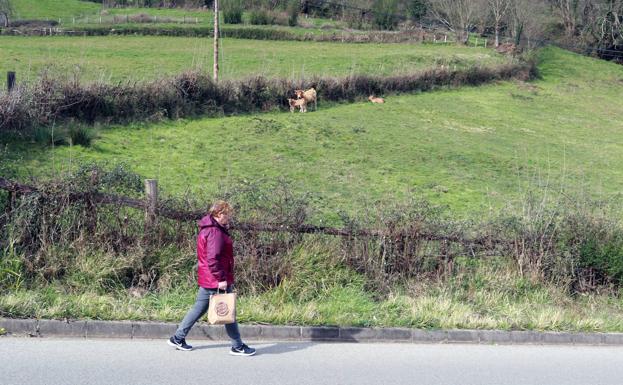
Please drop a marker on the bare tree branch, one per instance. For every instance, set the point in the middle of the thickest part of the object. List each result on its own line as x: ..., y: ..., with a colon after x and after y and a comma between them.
x: 499, y: 9
x: 457, y: 15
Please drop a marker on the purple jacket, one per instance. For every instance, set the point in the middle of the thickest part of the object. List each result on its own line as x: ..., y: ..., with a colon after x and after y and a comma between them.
x: 215, y: 254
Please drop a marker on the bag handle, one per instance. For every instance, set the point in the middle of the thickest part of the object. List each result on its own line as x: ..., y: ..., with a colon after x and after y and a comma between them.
x: 218, y: 291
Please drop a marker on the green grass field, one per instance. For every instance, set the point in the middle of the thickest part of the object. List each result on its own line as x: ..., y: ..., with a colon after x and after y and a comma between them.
x: 206, y: 17
x: 471, y: 148
x: 53, y: 9
x: 118, y: 58
x: 68, y: 12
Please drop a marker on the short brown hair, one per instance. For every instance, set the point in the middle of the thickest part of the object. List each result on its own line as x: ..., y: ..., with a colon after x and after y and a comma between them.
x: 220, y: 207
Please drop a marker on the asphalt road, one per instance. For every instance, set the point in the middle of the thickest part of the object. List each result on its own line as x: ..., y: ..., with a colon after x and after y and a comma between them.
x: 107, y: 361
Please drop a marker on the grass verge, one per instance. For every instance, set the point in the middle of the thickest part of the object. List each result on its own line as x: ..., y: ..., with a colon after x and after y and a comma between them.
x: 486, y: 295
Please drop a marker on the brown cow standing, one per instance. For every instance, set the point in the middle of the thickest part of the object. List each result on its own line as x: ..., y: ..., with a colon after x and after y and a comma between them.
x: 301, y: 103
x: 309, y: 96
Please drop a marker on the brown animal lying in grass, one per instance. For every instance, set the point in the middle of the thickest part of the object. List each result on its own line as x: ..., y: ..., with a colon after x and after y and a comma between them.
x: 301, y: 103
x: 376, y: 100
x: 309, y: 96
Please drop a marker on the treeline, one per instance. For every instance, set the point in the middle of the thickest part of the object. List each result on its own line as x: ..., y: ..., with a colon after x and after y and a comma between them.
x: 589, y: 26
x: 593, y: 23
x: 572, y: 23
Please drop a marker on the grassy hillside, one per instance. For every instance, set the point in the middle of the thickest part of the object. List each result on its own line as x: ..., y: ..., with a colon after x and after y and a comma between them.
x: 53, y: 9
x: 472, y: 149
x: 117, y: 58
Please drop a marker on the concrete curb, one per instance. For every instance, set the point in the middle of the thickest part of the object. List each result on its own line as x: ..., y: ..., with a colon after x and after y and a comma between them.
x: 251, y: 332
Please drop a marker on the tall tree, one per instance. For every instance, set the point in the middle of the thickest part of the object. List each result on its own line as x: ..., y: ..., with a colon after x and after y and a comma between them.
x: 603, y: 26
x: 528, y: 20
x: 499, y: 10
x: 385, y: 14
x: 457, y: 15
x: 416, y: 9
x: 568, y: 11
x: 5, y: 12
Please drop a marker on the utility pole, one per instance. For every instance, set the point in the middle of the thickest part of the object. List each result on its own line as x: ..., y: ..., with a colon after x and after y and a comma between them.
x: 215, y: 41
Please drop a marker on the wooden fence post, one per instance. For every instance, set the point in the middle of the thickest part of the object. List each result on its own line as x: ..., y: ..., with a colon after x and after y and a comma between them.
x: 10, y: 80
x: 8, y: 209
x: 91, y: 210
x: 151, y: 195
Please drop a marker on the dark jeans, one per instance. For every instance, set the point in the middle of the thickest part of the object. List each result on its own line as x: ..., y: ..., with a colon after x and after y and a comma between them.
x: 198, y: 310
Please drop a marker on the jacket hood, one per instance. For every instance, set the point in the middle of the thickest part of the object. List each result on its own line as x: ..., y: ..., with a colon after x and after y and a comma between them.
x: 209, y: 221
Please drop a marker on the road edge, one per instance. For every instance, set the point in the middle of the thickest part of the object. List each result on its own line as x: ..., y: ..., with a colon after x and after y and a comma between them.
x: 257, y: 332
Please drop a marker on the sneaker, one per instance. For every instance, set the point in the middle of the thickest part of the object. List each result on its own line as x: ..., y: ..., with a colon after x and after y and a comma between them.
x: 242, y: 350
x: 179, y: 345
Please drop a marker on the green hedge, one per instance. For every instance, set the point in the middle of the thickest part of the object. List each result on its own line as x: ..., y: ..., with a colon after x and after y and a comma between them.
x: 239, y: 32
x: 193, y: 94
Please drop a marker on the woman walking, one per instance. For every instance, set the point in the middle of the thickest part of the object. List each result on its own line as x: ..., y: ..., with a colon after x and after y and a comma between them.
x: 215, y: 271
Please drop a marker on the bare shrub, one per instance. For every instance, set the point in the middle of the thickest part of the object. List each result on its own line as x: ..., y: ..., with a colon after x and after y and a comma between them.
x: 263, y: 257
x: 413, y: 239
x: 575, y: 243
x: 60, y: 221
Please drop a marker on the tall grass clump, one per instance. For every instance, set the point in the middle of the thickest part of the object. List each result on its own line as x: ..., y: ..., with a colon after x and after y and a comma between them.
x: 261, y: 16
x: 573, y: 242
x: 293, y: 9
x: 81, y: 135
x: 232, y: 12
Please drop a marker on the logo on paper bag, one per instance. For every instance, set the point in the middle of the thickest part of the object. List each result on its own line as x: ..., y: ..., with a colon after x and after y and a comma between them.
x: 222, y: 309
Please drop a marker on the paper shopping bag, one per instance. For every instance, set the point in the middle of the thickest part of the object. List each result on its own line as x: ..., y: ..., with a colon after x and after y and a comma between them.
x: 222, y: 309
